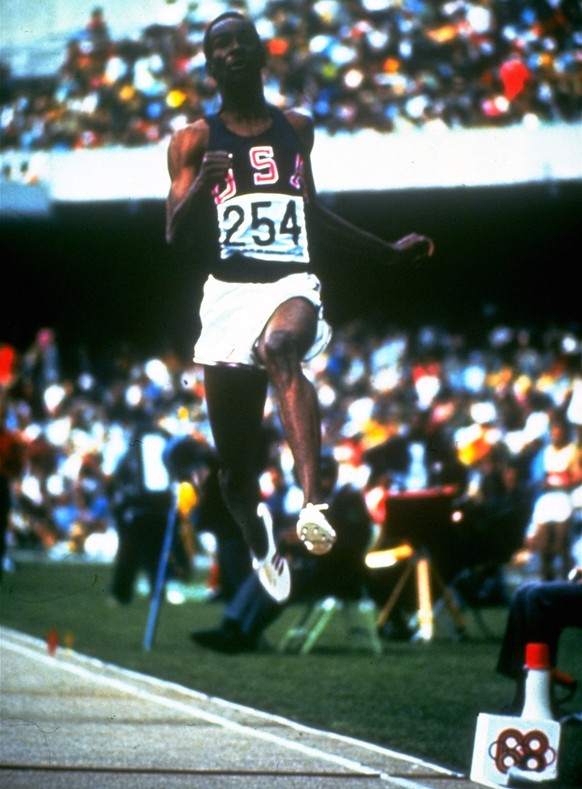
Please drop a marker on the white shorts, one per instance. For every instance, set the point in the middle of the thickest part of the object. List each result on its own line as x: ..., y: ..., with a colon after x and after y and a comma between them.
x: 234, y: 314
x: 555, y: 506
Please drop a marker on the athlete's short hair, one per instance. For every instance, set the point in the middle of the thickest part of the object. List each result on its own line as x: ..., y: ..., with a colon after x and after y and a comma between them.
x: 220, y: 18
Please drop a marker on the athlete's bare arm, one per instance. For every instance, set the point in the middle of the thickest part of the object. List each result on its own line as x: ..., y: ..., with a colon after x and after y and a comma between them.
x: 409, y: 248
x: 367, y: 246
x: 194, y: 171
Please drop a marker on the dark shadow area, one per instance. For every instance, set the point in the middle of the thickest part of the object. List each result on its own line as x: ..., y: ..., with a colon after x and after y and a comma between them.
x: 102, y: 274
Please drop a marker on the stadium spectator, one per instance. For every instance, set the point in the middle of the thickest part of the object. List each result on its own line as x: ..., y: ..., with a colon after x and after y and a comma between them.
x: 142, y: 503
x: 40, y: 370
x: 550, y: 535
x: 97, y: 28
x: 539, y: 612
x: 12, y: 458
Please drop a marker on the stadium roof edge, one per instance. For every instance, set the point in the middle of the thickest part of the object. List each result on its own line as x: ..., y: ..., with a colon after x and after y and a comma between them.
x: 364, y: 161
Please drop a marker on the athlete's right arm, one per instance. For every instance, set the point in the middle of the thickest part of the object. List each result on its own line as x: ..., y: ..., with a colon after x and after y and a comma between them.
x: 194, y: 171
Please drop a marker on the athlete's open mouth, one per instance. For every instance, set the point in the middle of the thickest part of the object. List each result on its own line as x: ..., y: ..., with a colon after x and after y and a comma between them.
x: 236, y: 62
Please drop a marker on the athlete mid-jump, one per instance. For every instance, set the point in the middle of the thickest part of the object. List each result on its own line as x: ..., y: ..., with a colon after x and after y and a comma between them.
x: 246, y: 171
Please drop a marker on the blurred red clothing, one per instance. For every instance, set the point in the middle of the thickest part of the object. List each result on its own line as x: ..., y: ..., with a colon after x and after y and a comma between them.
x: 514, y: 75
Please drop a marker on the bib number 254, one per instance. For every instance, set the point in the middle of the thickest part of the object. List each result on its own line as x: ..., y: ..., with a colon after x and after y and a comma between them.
x: 275, y: 226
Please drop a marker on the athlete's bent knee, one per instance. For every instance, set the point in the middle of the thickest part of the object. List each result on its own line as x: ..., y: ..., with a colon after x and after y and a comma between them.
x: 281, y: 354
x: 280, y: 343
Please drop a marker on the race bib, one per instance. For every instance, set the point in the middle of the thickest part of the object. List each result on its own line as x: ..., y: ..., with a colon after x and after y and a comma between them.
x: 266, y: 227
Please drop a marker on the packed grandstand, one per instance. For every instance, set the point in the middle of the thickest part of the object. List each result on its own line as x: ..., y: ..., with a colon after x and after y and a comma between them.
x: 364, y: 64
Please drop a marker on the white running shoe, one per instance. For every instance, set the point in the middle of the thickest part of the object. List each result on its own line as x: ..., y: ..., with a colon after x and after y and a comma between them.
x: 272, y: 571
x: 314, y: 531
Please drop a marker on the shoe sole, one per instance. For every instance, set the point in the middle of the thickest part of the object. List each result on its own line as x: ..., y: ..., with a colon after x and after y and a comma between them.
x: 276, y: 580
x: 277, y: 583
x: 316, y: 540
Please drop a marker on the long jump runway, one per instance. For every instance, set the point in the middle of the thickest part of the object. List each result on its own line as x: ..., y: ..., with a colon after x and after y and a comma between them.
x: 72, y: 721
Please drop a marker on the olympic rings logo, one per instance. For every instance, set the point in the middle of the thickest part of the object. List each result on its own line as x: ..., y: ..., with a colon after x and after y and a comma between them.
x: 530, y: 751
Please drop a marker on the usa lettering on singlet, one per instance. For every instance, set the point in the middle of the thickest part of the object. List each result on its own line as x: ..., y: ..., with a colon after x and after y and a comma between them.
x: 260, y: 207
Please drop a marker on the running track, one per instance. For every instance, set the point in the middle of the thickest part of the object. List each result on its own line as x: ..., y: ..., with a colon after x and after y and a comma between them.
x: 72, y: 721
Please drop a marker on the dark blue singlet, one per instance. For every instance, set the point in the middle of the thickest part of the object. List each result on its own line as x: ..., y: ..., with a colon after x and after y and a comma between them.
x: 260, y: 209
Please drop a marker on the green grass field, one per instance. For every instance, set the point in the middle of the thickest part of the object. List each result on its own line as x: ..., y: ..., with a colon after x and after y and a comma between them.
x: 419, y: 698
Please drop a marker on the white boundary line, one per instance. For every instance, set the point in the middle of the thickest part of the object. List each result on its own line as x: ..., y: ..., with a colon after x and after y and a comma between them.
x: 31, y: 647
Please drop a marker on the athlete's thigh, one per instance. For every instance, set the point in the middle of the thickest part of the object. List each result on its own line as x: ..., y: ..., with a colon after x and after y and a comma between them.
x: 297, y: 318
x: 235, y: 398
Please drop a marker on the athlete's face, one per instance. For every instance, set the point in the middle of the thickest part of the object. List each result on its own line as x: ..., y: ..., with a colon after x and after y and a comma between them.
x: 235, y: 50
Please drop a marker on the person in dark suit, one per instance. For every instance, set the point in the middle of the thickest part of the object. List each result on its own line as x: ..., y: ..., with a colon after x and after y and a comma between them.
x: 142, y: 502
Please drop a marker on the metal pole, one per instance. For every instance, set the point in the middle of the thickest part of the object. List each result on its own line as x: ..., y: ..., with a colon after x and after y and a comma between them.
x: 156, y: 600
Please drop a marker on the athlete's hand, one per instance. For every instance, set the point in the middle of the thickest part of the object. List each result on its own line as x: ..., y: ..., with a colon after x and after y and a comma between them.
x: 214, y: 168
x: 414, y: 247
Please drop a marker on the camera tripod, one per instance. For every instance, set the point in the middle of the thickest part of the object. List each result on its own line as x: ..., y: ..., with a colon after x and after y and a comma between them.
x: 420, y: 563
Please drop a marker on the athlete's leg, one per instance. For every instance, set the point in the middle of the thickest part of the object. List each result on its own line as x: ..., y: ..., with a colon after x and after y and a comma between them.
x: 288, y: 335
x: 235, y: 399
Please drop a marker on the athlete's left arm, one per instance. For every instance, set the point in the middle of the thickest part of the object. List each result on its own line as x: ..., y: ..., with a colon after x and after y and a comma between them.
x: 411, y: 248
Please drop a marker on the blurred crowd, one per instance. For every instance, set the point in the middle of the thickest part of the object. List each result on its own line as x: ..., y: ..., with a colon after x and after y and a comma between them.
x: 402, y: 412
x: 386, y: 66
